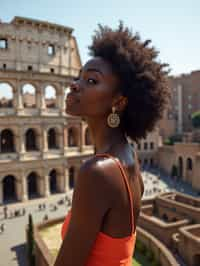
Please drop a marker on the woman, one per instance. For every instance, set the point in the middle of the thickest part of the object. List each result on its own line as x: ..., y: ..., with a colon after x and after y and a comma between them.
x: 121, y: 92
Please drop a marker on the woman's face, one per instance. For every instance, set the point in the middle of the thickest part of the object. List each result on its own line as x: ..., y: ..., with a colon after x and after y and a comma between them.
x: 92, y: 94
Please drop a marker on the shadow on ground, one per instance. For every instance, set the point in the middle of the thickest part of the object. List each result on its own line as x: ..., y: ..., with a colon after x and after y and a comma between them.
x: 20, y: 252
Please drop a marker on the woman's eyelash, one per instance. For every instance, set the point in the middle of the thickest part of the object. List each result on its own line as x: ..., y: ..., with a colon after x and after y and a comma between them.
x: 93, y: 80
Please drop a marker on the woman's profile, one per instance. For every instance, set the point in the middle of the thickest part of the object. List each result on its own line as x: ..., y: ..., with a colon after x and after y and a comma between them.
x: 121, y: 92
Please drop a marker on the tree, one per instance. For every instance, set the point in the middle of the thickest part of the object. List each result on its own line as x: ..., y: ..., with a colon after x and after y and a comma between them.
x: 196, y: 119
x: 30, y: 240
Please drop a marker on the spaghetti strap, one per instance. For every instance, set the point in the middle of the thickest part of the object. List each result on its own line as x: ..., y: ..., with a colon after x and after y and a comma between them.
x: 126, y: 183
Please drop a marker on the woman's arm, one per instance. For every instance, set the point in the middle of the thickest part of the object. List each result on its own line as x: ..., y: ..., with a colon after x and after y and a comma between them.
x: 91, y: 200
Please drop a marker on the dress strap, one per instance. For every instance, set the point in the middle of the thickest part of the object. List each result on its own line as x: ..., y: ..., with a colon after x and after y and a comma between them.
x: 126, y: 183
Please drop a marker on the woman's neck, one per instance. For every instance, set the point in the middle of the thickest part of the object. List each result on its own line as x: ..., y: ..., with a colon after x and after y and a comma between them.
x: 106, y: 139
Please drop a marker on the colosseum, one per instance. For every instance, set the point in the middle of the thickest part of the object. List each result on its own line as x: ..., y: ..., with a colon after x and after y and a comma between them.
x: 41, y: 148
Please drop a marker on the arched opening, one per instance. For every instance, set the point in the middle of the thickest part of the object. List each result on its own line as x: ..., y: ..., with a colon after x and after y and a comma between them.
x: 9, y: 189
x: 151, y: 162
x: 189, y: 164
x: 6, y: 95
x: 7, y: 141
x: 71, y: 177
x: 31, y: 140
x: 87, y: 137
x: 29, y: 96
x: 196, y: 260
x: 180, y: 167
x: 53, y: 181
x: 145, y: 162
x: 50, y: 97
x: 165, y: 217
x: 32, y: 185
x: 52, y: 138
x: 72, y: 138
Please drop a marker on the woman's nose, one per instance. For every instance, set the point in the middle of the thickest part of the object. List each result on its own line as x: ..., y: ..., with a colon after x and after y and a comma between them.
x: 75, y: 86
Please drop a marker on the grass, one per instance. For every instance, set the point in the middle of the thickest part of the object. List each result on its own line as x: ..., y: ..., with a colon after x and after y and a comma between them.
x: 53, y: 243
x: 140, y: 260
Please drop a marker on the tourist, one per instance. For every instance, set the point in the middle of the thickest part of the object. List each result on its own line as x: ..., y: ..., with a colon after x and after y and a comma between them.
x: 5, y: 210
x: 121, y: 92
x: 2, y: 227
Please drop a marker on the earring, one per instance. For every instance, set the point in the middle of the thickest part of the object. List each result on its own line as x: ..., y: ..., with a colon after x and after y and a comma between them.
x: 113, y: 119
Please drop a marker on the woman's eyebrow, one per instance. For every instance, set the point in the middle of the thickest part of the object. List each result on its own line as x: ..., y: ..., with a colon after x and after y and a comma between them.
x: 95, y: 70
x: 91, y: 69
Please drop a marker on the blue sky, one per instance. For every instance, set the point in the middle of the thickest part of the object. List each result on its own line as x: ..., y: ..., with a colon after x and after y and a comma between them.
x: 173, y: 26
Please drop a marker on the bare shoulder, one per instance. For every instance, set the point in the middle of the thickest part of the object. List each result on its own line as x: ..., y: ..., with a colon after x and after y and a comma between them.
x: 95, y: 178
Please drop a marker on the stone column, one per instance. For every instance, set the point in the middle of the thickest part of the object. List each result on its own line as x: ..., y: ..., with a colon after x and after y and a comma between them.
x: 46, y: 185
x: 44, y: 141
x: 65, y: 180
x: 19, y: 95
x: 21, y: 143
x: 42, y: 99
x: 65, y: 139
x: 24, y: 190
x: 38, y: 100
x: 15, y: 95
x: 62, y: 101
x: 58, y: 99
x: 61, y: 141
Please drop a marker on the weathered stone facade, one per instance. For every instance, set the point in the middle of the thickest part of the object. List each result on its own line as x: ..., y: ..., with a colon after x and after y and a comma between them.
x: 186, y: 156
x: 41, y: 148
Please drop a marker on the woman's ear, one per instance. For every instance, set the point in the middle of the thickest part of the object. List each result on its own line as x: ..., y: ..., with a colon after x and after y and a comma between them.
x: 121, y: 103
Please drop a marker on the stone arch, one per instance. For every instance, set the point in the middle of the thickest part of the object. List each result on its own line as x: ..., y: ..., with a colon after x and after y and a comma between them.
x: 87, y: 137
x: 53, y: 181
x: 33, y: 185
x: 72, y: 137
x: 6, y: 95
x: 180, y: 166
x: 52, y: 138
x: 29, y: 95
x: 7, y: 141
x: 31, y: 140
x: 50, y: 94
x: 9, y: 188
x: 71, y: 177
x: 196, y: 260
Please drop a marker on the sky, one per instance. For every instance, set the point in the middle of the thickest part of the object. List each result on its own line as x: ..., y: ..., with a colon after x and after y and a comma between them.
x: 173, y: 26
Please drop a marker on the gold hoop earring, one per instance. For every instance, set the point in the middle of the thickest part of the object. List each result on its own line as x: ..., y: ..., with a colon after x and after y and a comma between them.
x: 113, y: 119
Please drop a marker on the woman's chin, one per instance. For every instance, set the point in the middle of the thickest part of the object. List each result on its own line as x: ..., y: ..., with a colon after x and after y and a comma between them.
x: 72, y: 112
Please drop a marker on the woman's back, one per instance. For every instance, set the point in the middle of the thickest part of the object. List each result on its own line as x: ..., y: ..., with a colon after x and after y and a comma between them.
x: 115, y: 243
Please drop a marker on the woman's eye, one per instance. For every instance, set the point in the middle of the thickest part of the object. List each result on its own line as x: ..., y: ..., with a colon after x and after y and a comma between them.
x: 92, y: 81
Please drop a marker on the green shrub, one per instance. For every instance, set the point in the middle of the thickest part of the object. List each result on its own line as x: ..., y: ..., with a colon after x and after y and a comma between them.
x: 196, y: 119
x: 155, y: 263
x: 149, y: 255
x: 30, y: 240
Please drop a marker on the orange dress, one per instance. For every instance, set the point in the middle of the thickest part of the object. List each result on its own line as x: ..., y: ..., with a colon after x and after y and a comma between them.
x: 107, y: 250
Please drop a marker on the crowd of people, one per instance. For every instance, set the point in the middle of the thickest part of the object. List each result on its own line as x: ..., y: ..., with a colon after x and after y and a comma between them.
x: 9, y: 213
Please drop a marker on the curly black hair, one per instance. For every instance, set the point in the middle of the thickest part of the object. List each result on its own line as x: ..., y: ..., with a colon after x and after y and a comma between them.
x: 143, y: 80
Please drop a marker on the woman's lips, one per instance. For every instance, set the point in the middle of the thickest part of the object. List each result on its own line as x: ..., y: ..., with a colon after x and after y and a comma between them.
x: 71, y: 99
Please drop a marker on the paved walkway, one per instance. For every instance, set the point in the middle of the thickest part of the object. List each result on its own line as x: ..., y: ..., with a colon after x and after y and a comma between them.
x: 12, y: 240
